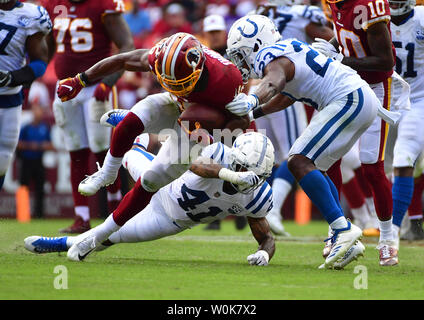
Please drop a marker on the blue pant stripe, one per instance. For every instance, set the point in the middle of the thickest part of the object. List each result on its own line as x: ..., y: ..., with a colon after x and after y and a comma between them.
x: 296, y: 129
x: 328, y: 125
x: 342, y: 127
x: 288, y: 128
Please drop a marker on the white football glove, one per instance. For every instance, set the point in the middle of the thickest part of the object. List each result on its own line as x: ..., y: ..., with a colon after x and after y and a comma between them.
x: 242, y: 104
x: 326, y: 48
x: 244, y: 179
x: 259, y: 258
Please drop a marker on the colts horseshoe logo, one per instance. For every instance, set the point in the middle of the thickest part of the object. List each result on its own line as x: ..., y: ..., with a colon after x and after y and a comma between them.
x: 254, y: 31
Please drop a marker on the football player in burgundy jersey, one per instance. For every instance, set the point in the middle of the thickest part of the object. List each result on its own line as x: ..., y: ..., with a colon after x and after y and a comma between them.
x: 363, y: 34
x: 190, y: 73
x: 83, y: 34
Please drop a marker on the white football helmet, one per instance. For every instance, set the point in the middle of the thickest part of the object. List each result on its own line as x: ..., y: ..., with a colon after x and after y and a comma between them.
x: 286, y: 2
x: 252, y: 151
x: 246, y: 37
x: 401, y: 7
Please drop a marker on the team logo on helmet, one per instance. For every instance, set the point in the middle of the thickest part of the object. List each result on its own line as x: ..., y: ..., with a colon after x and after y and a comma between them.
x: 193, y: 57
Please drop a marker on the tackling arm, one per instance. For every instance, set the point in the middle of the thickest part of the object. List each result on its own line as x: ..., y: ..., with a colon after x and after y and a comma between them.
x: 315, y: 30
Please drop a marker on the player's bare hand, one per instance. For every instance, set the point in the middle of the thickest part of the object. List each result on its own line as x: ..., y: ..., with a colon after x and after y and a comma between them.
x: 70, y: 87
x: 5, y: 78
x: 259, y: 258
x: 242, y: 104
x: 326, y: 48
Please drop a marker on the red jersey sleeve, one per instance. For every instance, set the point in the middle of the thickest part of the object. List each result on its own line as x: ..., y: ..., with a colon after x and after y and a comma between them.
x: 377, y: 11
x: 113, y: 6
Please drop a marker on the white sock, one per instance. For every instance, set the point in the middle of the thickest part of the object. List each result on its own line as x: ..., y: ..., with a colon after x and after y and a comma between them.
x: 339, y: 223
x: 104, y: 230
x: 117, y: 196
x: 111, y: 164
x: 280, y: 190
x: 361, y: 214
x: 395, y: 231
x: 416, y: 217
x: 371, y: 207
x: 386, y: 230
x: 83, y: 212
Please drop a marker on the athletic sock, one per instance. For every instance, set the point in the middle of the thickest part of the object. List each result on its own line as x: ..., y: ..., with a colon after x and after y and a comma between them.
x: 334, y: 191
x: 104, y: 230
x: 335, y: 174
x: 403, y: 188
x: 386, y: 230
x: 280, y: 190
x: 382, y: 192
x: 79, y: 169
x: 319, y: 191
x: 283, y: 172
x: 416, y: 207
x: 83, y: 212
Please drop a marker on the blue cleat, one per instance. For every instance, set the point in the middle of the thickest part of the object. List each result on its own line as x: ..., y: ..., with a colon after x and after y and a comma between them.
x: 113, y: 117
x: 36, y: 244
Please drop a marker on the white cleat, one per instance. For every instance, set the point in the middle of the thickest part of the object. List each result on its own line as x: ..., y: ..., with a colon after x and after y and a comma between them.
x: 276, y: 225
x: 113, y: 117
x: 90, y: 185
x: 354, y: 252
x: 81, y: 249
x: 342, y: 240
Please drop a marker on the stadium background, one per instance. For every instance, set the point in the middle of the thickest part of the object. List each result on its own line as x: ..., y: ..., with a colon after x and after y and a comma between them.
x: 149, y: 21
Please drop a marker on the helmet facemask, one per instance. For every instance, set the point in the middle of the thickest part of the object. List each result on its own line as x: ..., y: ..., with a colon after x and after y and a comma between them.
x: 403, y: 7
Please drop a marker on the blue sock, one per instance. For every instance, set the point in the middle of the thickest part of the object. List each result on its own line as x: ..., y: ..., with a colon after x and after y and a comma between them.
x: 334, y: 192
x: 319, y: 191
x: 402, y: 191
x: 1, y: 181
x: 283, y: 172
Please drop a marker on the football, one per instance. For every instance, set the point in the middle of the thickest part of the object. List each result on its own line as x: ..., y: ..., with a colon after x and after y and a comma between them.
x: 209, y: 118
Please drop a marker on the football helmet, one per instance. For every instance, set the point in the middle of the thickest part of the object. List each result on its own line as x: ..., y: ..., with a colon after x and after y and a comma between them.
x: 401, y: 7
x: 286, y: 2
x: 179, y: 64
x: 252, y: 151
x: 247, y: 36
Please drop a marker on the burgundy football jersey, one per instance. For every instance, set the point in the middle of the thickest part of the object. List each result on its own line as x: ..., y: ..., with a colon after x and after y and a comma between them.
x: 351, y: 20
x: 80, y: 35
x: 224, y: 80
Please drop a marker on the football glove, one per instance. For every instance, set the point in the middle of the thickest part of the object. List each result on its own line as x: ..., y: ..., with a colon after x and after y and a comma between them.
x: 242, y: 104
x: 259, y: 258
x: 70, y: 87
x: 5, y: 78
x: 326, y: 48
x: 244, y: 179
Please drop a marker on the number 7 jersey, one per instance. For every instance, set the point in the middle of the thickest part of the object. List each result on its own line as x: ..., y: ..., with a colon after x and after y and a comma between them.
x: 80, y: 35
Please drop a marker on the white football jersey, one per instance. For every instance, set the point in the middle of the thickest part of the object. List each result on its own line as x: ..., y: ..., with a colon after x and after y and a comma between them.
x: 292, y: 20
x: 318, y: 80
x: 16, y: 25
x: 192, y: 199
x: 408, y: 39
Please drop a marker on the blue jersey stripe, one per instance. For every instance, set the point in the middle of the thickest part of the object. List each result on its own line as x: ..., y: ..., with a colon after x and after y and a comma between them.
x: 296, y: 129
x: 217, y: 150
x: 146, y: 154
x: 288, y: 128
x: 328, y: 125
x: 344, y: 125
x: 258, y: 196
x: 268, y: 195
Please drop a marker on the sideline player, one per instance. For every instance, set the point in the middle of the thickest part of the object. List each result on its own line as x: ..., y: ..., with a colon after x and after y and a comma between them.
x: 190, y: 73
x: 23, y: 29
x: 83, y: 34
x: 408, y: 38
x: 305, y: 23
x: 292, y: 70
x: 198, y: 196
x: 363, y: 33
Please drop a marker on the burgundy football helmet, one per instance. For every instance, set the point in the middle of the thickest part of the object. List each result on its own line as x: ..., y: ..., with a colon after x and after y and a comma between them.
x: 179, y: 63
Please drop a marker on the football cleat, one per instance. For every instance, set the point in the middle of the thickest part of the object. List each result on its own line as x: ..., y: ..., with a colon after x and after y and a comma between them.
x: 79, y: 226
x: 327, y: 246
x: 415, y: 231
x: 276, y: 225
x: 388, y: 253
x: 91, y: 184
x: 36, y: 244
x: 354, y: 252
x: 342, y: 240
x: 81, y: 249
x: 113, y: 117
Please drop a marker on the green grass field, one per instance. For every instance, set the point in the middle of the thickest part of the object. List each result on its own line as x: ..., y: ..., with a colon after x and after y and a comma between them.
x: 199, y: 265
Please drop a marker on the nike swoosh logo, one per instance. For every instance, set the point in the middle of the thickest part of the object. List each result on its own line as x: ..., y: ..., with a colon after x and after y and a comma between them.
x: 68, y: 87
x: 80, y: 257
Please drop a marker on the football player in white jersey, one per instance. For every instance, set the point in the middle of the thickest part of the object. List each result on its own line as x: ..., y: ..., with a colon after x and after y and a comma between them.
x: 201, y: 195
x: 305, y: 23
x: 23, y: 27
x: 407, y: 25
x: 347, y: 107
